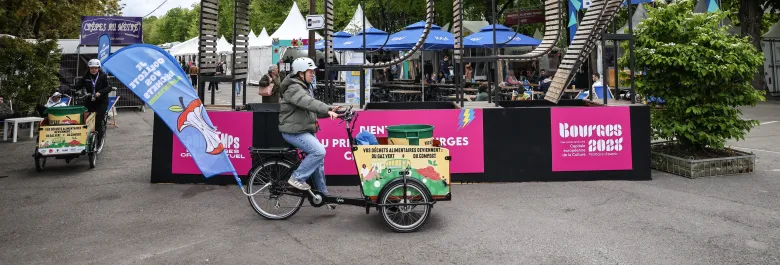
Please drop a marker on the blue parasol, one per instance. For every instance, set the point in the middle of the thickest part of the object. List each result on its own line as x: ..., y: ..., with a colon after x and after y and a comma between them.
x: 438, y: 39
x: 338, y: 38
x: 356, y: 42
x: 485, y: 37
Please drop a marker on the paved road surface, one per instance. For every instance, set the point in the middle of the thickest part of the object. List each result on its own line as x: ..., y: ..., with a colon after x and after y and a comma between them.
x: 113, y: 215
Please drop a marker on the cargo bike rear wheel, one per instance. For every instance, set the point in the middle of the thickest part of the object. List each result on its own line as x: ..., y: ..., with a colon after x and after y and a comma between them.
x: 274, y: 201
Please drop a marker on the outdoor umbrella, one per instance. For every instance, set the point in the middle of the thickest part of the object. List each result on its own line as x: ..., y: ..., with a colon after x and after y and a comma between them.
x: 437, y: 39
x: 485, y: 37
x: 356, y: 42
x: 338, y: 39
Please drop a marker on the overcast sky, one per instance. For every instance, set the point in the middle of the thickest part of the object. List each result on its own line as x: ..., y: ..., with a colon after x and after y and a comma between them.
x: 139, y: 8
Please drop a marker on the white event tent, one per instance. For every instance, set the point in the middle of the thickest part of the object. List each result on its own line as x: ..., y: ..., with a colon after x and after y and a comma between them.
x: 189, y: 47
x: 293, y: 28
x: 265, y: 40
x: 355, y: 25
x: 260, y: 54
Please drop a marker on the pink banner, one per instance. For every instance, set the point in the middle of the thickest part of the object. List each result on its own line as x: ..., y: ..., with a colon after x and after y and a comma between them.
x: 458, y: 130
x: 591, y: 138
x: 235, y: 132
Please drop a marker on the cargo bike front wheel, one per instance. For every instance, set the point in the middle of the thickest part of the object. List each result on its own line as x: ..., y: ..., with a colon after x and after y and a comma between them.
x: 405, y: 213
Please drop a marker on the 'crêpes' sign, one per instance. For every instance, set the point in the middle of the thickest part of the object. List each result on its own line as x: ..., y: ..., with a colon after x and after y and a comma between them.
x: 591, y: 138
x: 121, y: 30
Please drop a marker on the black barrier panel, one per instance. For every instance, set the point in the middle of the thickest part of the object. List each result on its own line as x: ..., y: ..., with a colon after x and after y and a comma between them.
x: 517, y: 149
x: 263, y: 107
x: 411, y: 105
x: 541, y: 103
x: 516, y: 152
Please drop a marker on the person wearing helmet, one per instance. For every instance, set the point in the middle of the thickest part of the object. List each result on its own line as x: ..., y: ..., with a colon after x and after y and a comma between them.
x: 298, y: 123
x: 95, y: 82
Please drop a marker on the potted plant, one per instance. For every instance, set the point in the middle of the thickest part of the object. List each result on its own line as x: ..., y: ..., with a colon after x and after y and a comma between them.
x: 697, y: 77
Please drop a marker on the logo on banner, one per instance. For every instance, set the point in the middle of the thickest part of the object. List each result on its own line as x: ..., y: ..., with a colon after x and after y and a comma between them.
x: 591, y: 139
x: 466, y: 116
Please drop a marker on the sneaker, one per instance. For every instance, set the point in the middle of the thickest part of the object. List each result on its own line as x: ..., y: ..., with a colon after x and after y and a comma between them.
x: 330, y: 206
x: 298, y: 185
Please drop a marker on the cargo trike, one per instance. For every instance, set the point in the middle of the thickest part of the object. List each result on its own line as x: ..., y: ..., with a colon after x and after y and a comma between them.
x: 67, y: 133
x: 402, y: 181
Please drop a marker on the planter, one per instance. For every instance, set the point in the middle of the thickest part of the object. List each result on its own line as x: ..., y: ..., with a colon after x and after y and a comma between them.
x: 695, y: 168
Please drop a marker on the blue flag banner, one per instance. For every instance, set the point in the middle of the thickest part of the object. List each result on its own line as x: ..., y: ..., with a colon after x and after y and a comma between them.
x: 712, y: 6
x: 574, y: 7
x: 104, y: 47
x: 160, y: 82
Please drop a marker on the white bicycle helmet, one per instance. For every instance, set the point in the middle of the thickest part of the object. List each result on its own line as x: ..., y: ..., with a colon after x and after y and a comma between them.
x: 302, y: 64
x: 94, y: 63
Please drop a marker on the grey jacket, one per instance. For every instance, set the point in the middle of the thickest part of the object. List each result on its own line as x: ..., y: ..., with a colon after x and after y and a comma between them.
x: 299, y: 110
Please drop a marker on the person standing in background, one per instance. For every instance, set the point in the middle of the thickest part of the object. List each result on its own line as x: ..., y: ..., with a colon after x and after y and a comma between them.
x: 445, y: 67
x: 469, y: 72
x: 271, y: 78
x: 194, y: 74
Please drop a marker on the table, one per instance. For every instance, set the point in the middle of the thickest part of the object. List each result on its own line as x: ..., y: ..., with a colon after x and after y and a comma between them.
x: 467, y: 97
x: 404, y: 95
x: 15, y: 122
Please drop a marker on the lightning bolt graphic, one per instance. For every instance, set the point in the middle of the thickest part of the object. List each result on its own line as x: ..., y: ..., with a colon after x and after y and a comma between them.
x: 466, y: 116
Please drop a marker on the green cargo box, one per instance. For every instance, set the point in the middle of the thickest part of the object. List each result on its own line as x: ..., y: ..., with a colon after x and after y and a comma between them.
x: 66, y: 115
x: 410, y: 134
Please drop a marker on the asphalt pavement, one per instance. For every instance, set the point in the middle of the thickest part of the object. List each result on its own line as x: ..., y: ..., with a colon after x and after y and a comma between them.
x: 70, y: 214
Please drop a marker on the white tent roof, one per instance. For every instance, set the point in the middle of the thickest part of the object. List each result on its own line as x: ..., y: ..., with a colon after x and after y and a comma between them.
x: 734, y: 30
x: 356, y: 24
x: 254, y: 41
x: 538, y: 35
x: 774, y: 32
x: 470, y: 27
x: 639, y: 15
x: 189, y: 47
x: 264, y: 39
x: 293, y: 27
x: 223, y: 46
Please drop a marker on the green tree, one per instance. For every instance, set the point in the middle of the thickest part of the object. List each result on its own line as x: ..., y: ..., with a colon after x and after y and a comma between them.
x: 701, y: 72
x: 51, y: 19
x: 29, y: 70
x: 148, y: 28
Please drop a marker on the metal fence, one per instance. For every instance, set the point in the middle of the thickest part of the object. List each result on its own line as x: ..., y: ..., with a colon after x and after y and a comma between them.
x: 73, y: 67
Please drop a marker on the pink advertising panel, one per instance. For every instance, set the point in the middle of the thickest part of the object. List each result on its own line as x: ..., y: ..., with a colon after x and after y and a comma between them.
x: 459, y: 130
x: 235, y: 132
x: 591, y: 138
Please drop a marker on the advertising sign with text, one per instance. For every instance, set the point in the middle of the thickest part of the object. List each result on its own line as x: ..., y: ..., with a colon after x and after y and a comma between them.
x: 591, y: 139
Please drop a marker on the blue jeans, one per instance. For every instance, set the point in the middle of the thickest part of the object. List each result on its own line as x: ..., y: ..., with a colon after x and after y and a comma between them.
x: 238, y: 87
x: 314, y: 163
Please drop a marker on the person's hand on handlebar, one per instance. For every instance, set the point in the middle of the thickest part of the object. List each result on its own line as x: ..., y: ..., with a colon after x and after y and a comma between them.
x: 333, y: 115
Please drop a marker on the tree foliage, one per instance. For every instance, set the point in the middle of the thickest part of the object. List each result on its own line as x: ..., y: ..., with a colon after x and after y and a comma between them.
x: 387, y: 15
x: 701, y: 72
x: 29, y: 70
x: 36, y: 19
